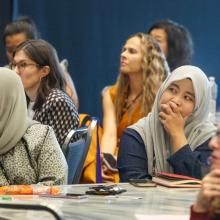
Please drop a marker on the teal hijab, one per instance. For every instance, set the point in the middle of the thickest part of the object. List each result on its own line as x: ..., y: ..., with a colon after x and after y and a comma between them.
x: 197, y: 127
x: 13, y: 110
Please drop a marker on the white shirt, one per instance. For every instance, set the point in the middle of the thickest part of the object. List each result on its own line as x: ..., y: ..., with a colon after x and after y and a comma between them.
x: 30, y: 110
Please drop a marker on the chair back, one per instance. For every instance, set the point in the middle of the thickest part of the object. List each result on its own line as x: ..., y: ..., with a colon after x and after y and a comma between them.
x: 42, y: 206
x: 76, y: 152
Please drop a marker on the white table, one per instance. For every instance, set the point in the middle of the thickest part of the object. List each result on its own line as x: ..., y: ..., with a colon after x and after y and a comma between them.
x: 136, y: 201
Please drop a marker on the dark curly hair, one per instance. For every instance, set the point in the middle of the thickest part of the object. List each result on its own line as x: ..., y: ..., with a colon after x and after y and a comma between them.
x: 179, y: 41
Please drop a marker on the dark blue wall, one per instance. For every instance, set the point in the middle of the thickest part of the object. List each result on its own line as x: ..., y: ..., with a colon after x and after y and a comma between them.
x: 90, y: 33
x: 6, y: 8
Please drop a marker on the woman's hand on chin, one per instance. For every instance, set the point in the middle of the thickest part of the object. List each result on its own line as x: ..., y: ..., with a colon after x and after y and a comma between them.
x: 171, y: 118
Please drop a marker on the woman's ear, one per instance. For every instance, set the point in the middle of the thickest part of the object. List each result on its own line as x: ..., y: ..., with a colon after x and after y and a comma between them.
x: 45, y: 70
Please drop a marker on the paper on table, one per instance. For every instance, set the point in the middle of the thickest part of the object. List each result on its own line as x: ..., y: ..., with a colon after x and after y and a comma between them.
x: 162, y: 217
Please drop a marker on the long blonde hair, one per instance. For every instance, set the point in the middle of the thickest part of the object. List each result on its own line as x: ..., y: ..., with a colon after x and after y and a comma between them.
x: 154, y: 71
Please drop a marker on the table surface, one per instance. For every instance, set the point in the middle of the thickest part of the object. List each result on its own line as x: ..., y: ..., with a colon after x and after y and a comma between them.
x: 136, y: 201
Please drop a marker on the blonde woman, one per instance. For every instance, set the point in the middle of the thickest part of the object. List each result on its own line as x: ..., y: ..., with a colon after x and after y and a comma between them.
x: 142, y: 70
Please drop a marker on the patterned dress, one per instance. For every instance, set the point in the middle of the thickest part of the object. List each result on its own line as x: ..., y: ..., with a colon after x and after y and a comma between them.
x: 36, y: 158
x: 60, y: 113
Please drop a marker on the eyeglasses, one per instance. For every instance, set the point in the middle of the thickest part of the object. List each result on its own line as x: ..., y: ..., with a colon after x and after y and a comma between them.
x: 22, y: 66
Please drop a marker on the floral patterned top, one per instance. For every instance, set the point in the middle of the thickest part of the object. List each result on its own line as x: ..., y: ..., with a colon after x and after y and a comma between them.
x: 36, y: 158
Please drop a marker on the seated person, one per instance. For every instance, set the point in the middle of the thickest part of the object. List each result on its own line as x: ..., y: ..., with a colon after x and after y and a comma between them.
x: 36, y: 62
x: 24, y: 29
x: 142, y: 70
x: 207, y: 205
x: 29, y: 151
x: 175, y: 41
x: 174, y: 136
x: 70, y: 86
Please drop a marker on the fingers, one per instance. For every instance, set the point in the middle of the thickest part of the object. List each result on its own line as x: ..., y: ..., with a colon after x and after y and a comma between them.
x: 174, y: 106
x: 165, y: 112
x: 166, y: 109
x: 107, y: 175
x: 104, y: 168
x: 101, y: 156
x: 211, y: 187
x: 215, y: 163
x: 162, y: 116
x: 211, y: 184
x: 170, y: 110
x: 107, y: 178
x: 214, y: 173
x: 209, y: 190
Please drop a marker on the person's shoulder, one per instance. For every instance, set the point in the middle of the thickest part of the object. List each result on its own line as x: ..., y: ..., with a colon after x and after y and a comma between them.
x: 133, y: 133
x: 36, y: 130
x: 37, y: 136
x: 112, y: 89
x: 57, y: 94
x: 36, y: 133
x: 58, y: 97
x: 109, y: 91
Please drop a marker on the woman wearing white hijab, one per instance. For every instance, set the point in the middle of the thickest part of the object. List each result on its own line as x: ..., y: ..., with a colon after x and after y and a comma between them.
x: 29, y: 151
x: 174, y: 136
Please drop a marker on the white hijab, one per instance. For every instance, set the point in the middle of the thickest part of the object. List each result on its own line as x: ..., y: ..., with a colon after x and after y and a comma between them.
x: 197, y: 128
x: 13, y: 110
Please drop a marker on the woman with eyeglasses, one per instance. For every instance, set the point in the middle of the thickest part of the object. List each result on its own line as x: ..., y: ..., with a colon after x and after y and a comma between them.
x: 29, y: 151
x: 23, y: 29
x: 36, y: 62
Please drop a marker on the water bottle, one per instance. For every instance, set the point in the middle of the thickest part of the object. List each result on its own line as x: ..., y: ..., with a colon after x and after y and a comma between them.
x: 212, y: 102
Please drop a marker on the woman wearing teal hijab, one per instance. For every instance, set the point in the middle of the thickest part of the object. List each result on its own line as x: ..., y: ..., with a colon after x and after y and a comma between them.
x: 29, y: 151
x: 174, y: 136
